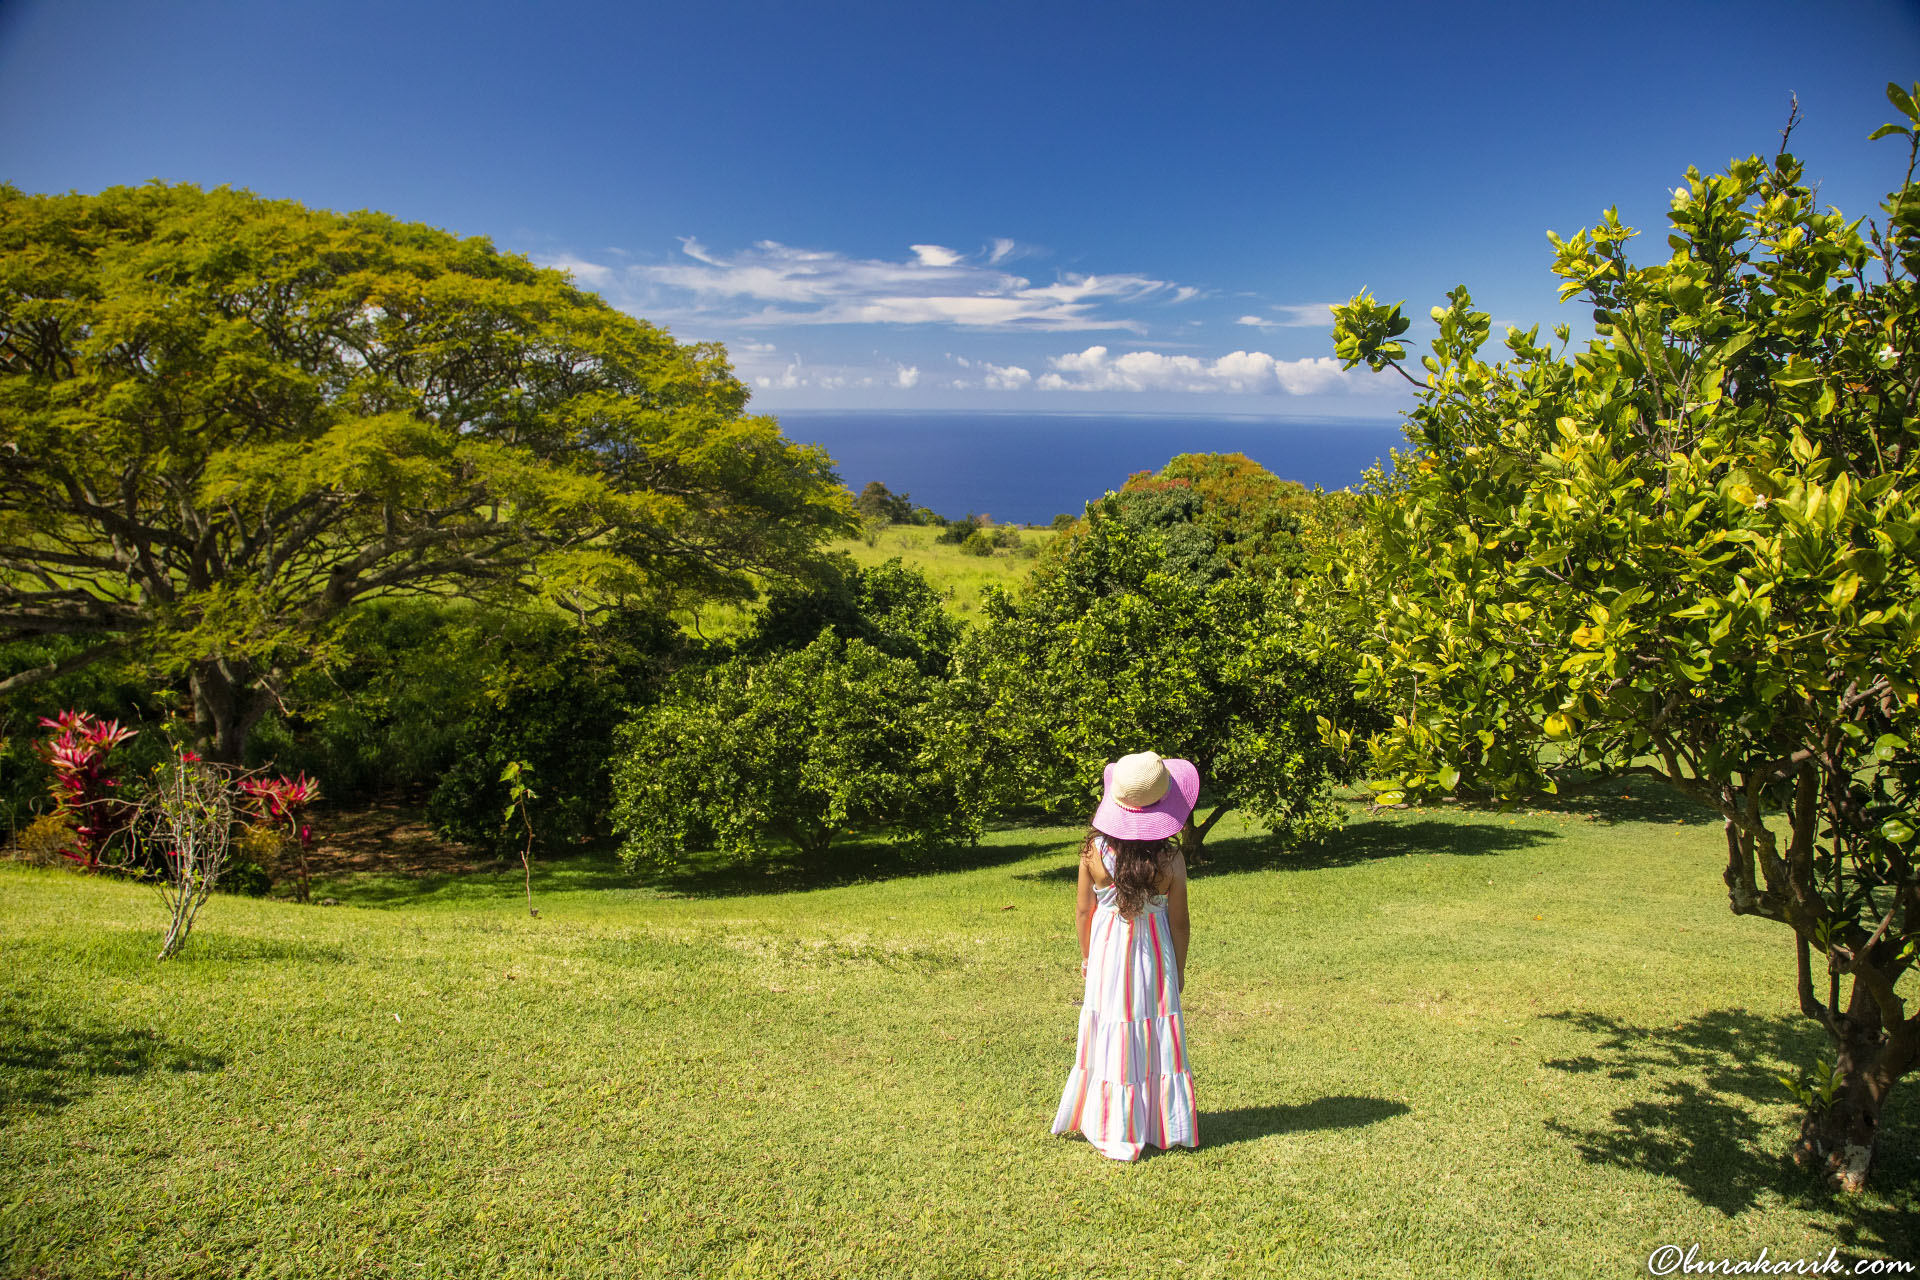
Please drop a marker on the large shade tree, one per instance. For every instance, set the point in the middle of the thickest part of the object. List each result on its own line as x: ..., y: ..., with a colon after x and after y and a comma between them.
x: 1692, y: 550
x: 224, y: 420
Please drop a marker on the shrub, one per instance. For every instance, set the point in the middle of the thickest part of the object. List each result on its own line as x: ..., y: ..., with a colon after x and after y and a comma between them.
x: 978, y: 543
x: 280, y: 805
x: 256, y: 854
x: 187, y: 820
x: 958, y: 531
x: 805, y: 746
x: 44, y: 840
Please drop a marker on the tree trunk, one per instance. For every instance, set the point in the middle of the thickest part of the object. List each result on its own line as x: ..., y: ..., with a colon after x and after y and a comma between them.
x: 227, y: 704
x: 1842, y: 1137
x: 1194, y: 835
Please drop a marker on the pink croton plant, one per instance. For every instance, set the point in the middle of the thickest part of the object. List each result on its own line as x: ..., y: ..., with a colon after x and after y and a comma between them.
x: 84, y: 789
x: 281, y: 803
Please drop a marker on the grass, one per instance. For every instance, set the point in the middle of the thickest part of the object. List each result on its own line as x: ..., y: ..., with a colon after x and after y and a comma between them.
x: 961, y: 578
x: 1440, y: 1044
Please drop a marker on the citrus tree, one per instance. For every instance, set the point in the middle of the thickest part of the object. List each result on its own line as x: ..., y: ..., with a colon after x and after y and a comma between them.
x: 803, y: 747
x: 1692, y: 550
x: 1135, y: 636
x: 224, y: 420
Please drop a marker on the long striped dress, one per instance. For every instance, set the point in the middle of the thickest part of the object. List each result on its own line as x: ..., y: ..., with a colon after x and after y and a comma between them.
x: 1130, y: 1087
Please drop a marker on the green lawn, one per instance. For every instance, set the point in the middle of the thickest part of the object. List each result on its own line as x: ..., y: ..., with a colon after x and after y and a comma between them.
x: 1441, y: 1044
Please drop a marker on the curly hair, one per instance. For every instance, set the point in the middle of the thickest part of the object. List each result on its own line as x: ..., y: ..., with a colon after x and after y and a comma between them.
x: 1136, y: 867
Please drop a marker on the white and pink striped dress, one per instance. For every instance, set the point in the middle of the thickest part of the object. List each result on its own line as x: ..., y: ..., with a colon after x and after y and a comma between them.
x: 1130, y: 1087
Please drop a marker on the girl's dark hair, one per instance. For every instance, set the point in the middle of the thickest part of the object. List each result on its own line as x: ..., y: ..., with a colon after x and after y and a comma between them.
x: 1136, y: 866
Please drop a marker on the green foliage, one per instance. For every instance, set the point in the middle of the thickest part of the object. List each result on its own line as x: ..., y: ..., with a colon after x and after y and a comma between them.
x: 296, y: 410
x: 1117, y: 646
x: 388, y: 709
x: 517, y: 778
x: 889, y: 606
x: 807, y: 746
x: 436, y: 697
x: 552, y: 702
x: 978, y: 543
x: 1691, y: 549
x: 879, y: 503
x: 1817, y: 1087
x: 110, y: 690
x: 958, y: 531
x: 1223, y: 512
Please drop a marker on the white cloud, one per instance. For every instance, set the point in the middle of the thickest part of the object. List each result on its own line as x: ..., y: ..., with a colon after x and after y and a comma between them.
x: 591, y: 274
x: 1244, y: 372
x: 906, y: 375
x: 775, y: 284
x: 933, y: 255
x: 997, y: 377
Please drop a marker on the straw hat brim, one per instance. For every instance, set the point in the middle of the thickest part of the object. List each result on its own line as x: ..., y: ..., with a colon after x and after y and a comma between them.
x: 1158, y: 820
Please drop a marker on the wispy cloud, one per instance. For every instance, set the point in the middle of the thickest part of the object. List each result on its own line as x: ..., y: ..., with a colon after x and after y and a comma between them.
x: 772, y: 284
x: 1244, y: 372
x: 1314, y: 315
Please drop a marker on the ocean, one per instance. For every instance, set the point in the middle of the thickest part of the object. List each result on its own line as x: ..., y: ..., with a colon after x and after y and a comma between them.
x: 1024, y: 468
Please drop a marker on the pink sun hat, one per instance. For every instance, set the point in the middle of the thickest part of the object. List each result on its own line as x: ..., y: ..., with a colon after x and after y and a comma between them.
x: 1146, y: 797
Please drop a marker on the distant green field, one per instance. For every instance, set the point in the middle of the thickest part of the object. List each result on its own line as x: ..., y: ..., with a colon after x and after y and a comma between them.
x: 962, y: 578
x: 1439, y: 1044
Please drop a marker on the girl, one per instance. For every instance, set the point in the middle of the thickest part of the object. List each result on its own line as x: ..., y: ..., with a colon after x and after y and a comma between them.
x: 1130, y: 1087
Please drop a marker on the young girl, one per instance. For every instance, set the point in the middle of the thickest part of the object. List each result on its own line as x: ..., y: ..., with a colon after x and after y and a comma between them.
x: 1130, y: 1087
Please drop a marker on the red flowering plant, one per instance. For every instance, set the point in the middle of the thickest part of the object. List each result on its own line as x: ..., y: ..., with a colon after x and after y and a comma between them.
x: 85, y: 790
x: 280, y: 805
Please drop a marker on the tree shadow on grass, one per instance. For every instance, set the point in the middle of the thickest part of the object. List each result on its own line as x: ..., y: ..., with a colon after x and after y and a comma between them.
x: 1350, y: 846
x: 49, y: 1063
x: 1704, y: 1085
x: 854, y: 863
x: 226, y: 948
x: 597, y: 866
x: 1245, y: 1124
x: 1616, y: 800
x: 1361, y: 842
x: 583, y: 868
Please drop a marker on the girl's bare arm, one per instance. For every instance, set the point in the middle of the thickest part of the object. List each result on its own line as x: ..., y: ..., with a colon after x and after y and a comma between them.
x: 1084, y: 908
x: 1177, y: 921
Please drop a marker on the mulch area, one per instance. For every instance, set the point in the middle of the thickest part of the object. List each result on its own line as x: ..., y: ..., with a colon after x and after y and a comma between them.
x: 390, y: 836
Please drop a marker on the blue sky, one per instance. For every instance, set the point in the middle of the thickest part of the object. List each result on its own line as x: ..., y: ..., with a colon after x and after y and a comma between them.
x: 1038, y: 206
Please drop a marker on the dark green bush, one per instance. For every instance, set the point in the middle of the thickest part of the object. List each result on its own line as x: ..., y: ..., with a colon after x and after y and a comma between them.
x: 804, y: 747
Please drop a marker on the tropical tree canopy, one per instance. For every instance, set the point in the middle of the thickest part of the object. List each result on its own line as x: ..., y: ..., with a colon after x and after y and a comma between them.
x: 225, y: 419
x: 1690, y: 549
